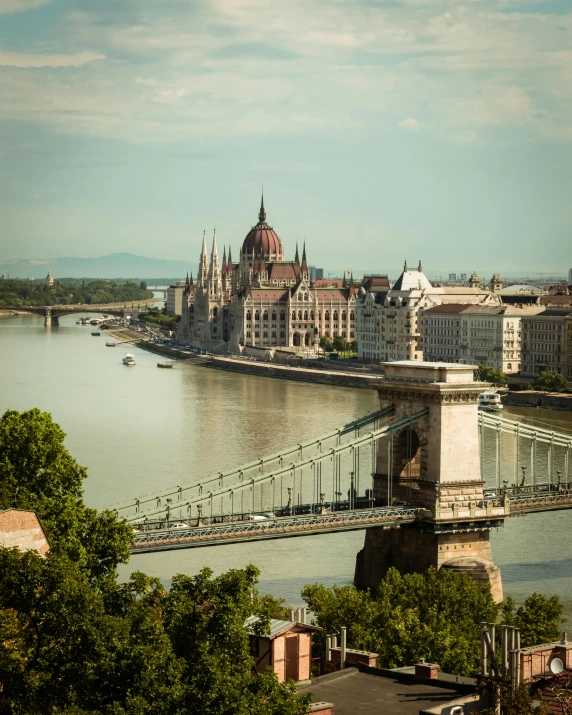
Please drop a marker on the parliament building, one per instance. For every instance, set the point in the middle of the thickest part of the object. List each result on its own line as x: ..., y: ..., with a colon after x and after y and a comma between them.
x: 263, y: 300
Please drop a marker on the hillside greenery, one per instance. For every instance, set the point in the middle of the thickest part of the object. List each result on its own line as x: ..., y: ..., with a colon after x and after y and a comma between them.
x: 19, y: 293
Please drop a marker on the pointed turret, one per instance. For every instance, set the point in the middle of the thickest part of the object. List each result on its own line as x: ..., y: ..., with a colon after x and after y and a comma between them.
x: 191, y: 281
x: 296, y: 257
x: 304, y: 264
x: 344, y: 282
x: 229, y: 264
x: 352, y: 279
x: 405, y: 266
x: 262, y: 212
x: 420, y: 269
x: 203, y: 264
x: 224, y: 260
x: 187, y: 281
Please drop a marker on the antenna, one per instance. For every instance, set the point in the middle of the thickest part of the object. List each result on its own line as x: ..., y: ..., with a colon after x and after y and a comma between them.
x: 556, y: 666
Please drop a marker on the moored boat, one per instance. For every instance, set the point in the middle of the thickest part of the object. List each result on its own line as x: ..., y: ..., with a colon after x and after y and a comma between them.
x: 165, y: 364
x: 110, y: 345
x: 96, y: 333
x: 490, y: 401
x: 129, y: 359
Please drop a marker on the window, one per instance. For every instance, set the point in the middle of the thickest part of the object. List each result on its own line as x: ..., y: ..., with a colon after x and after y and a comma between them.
x: 248, y: 315
x: 282, y: 316
x: 299, y: 315
x: 293, y: 315
x: 327, y: 315
x: 344, y: 315
x: 352, y: 315
x: 215, y: 312
x: 311, y: 315
x: 305, y: 315
x: 274, y: 316
x: 282, y: 334
x: 256, y: 334
x: 335, y: 314
x: 257, y: 316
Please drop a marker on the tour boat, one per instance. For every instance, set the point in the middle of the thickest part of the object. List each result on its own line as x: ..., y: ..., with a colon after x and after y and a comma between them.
x: 165, y: 364
x: 110, y: 345
x: 490, y: 401
x: 96, y: 333
x: 129, y: 359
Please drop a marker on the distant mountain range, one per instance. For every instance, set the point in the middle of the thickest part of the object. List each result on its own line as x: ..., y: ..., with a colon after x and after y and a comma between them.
x: 116, y: 265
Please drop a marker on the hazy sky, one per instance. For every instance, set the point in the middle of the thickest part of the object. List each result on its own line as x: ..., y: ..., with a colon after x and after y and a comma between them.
x: 432, y: 129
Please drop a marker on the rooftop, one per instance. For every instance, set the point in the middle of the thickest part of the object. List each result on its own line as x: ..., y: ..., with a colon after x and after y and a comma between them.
x: 354, y: 692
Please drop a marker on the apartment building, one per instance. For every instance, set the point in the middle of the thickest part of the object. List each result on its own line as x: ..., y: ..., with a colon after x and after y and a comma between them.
x: 544, y: 346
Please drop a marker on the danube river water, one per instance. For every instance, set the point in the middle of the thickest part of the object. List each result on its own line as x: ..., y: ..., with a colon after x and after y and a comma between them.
x: 139, y: 429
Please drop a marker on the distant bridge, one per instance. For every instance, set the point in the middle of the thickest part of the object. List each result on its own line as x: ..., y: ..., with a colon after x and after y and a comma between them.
x: 52, y: 313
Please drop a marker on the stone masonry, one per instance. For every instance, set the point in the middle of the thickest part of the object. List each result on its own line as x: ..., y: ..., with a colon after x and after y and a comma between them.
x: 433, y: 464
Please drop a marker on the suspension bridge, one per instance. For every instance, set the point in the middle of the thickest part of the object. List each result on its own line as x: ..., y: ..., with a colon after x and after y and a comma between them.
x: 372, y: 472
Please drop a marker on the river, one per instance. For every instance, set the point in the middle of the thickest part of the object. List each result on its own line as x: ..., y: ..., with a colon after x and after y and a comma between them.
x: 139, y: 429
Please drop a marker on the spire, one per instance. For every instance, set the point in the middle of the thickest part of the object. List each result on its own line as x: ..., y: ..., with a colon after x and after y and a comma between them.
x: 296, y: 257
x: 344, y: 283
x: 191, y: 281
x: 420, y: 269
x: 352, y: 279
x: 203, y: 263
x: 405, y: 266
x: 224, y: 260
x: 229, y: 264
x: 187, y: 281
x: 304, y: 264
x: 262, y: 212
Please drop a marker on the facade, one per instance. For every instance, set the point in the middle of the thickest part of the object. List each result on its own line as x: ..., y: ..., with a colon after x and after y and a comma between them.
x: 49, y: 279
x: 568, y: 346
x: 262, y: 300
x: 22, y: 529
x: 175, y: 298
x: 543, y: 342
x: 396, y: 314
x: 475, y: 335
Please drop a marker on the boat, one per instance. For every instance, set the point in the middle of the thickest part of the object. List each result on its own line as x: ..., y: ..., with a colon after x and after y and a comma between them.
x: 165, y: 364
x: 129, y: 359
x: 96, y: 332
x: 490, y: 401
x: 110, y: 345
x: 78, y: 322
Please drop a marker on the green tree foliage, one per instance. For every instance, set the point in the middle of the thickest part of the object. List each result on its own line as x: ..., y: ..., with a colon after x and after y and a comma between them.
x: 160, y: 318
x: 339, y: 343
x: 512, y: 702
x: 20, y: 293
x: 130, y: 649
x: 550, y: 381
x: 484, y: 373
x: 435, y: 615
x: 326, y: 344
x: 539, y: 618
x: 38, y: 473
x: 142, y: 285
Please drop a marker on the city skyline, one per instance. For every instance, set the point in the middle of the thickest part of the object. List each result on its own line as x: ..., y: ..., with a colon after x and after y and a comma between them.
x: 378, y: 131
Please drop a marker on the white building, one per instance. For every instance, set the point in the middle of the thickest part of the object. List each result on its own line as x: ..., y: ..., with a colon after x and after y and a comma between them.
x: 488, y: 335
x: 175, y: 298
x: 389, y: 323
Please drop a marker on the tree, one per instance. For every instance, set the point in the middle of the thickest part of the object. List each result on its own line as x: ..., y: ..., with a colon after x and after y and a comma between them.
x: 326, y: 344
x: 38, y: 473
x: 339, y: 343
x: 539, y: 618
x: 550, y: 381
x: 435, y: 615
x: 512, y: 702
x: 130, y: 649
x: 484, y: 373
x: 142, y: 285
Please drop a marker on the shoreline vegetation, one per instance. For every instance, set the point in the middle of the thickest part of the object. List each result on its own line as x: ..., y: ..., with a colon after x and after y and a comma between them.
x: 19, y: 293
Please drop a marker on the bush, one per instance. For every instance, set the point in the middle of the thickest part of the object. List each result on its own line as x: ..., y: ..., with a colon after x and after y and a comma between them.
x: 519, y: 386
x: 550, y: 381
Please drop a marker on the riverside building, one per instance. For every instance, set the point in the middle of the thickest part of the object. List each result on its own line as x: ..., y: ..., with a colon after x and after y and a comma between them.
x: 263, y: 300
x: 544, y: 345
x: 389, y: 319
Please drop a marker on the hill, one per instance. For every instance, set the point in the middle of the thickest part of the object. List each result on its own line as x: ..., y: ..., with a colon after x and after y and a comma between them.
x: 115, y: 265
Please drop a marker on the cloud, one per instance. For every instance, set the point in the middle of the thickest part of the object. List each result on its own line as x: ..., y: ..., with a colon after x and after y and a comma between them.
x: 410, y: 123
x: 8, y: 7
x: 29, y: 59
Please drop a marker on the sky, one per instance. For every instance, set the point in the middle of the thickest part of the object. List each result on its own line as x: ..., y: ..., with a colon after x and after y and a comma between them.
x: 382, y: 130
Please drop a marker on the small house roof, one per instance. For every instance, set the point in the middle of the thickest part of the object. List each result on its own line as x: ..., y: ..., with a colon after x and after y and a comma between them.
x: 278, y: 626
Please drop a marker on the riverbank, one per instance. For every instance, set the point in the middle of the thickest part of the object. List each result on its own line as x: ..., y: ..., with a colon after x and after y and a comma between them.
x: 531, y: 398
x: 248, y: 367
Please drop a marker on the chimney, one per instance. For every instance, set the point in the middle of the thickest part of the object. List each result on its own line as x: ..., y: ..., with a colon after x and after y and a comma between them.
x: 343, y: 637
x: 429, y: 671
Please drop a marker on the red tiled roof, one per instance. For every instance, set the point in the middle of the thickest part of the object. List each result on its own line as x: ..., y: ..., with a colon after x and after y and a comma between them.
x: 332, y: 295
x: 277, y: 295
x: 448, y: 308
x: 328, y: 282
x: 280, y: 271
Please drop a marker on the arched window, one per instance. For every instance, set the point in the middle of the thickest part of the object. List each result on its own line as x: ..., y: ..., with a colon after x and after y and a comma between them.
x: 327, y: 315
x: 305, y: 315
x: 293, y: 315
x: 509, y: 366
x: 215, y: 312
x: 248, y: 315
x: 273, y: 316
x: 344, y: 315
x: 265, y: 316
x: 319, y: 315
x: 335, y: 314
x: 352, y: 315
x: 299, y: 315
x: 311, y: 315
x: 257, y: 315
x: 282, y: 315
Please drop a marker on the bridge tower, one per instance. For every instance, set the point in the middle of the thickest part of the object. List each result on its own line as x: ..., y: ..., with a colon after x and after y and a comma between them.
x: 435, y: 464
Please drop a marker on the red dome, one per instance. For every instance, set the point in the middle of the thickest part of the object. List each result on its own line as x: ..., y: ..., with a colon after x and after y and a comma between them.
x: 262, y: 239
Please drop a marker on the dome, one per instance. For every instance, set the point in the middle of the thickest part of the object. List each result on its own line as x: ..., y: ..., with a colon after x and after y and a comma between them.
x: 262, y: 239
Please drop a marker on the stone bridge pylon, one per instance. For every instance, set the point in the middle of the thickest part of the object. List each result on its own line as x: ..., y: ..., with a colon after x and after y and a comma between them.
x: 434, y: 464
